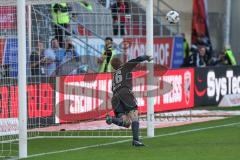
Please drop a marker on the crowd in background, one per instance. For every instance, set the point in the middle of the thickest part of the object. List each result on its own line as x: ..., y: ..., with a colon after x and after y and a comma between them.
x: 47, y: 61
x: 201, y: 54
x: 120, y: 9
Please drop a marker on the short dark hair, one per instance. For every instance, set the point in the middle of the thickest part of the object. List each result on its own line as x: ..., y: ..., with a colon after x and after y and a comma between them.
x: 116, y: 63
x: 109, y: 38
x: 70, y: 46
x: 53, y: 39
x: 201, y: 46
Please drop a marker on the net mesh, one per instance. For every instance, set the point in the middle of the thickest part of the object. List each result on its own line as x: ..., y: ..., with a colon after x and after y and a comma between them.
x: 66, y: 96
x: 8, y: 109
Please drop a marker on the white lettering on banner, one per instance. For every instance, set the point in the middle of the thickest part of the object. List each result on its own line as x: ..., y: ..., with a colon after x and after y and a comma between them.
x: 235, y: 84
x: 9, y: 126
x: 68, y: 97
x: 7, y: 18
x: 79, y: 97
x: 211, y: 84
x: 139, y: 88
x: 223, y: 85
x: 179, y: 45
x: 137, y: 49
x: 102, y: 105
x: 175, y: 95
x: 86, y: 100
x: 229, y: 76
x: 162, y: 53
x: 157, y: 99
x: 94, y: 96
x: 109, y: 98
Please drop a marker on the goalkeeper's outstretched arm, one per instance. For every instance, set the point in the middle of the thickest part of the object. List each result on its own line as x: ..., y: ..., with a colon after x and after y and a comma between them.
x: 133, y: 62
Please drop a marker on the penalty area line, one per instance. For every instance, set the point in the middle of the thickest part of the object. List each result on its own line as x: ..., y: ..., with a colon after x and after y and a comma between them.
x: 127, y: 140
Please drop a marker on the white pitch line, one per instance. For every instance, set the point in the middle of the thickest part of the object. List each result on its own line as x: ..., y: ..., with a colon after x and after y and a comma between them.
x: 197, y: 129
x: 127, y: 140
x: 80, y: 148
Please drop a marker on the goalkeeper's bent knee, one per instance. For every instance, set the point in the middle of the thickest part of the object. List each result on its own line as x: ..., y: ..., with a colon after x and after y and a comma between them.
x: 134, y: 115
x: 126, y: 123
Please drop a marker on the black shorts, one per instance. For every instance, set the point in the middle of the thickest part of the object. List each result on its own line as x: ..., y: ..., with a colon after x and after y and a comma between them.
x: 123, y: 101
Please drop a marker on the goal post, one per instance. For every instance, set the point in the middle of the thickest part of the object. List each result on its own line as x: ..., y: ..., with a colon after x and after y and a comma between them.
x: 150, y: 79
x: 22, y: 78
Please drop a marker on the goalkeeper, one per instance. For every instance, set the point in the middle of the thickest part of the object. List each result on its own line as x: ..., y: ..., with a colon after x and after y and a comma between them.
x: 123, y: 100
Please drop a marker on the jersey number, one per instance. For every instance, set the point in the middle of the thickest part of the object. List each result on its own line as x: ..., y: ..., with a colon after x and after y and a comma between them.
x: 118, y: 77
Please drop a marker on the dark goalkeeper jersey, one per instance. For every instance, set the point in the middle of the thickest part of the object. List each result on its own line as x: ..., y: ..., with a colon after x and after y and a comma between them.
x: 122, y: 77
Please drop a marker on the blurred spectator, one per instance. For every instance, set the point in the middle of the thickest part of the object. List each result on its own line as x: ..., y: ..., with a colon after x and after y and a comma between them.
x: 229, y: 56
x: 4, y: 71
x: 70, y: 62
x: 186, y: 48
x: 198, y: 58
x: 105, y: 3
x: 53, y: 57
x: 119, y: 11
x: 58, y: 51
x: 218, y: 60
x: 107, y: 55
x: 36, y: 60
x: 61, y: 19
x: 70, y: 52
x: 74, y: 23
x: 224, y: 58
x: 203, y: 41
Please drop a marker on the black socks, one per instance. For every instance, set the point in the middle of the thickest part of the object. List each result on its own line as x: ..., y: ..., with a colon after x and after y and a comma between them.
x: 135, y: 130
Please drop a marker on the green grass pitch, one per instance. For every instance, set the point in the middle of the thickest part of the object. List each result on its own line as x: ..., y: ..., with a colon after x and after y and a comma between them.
x: 215, y: 140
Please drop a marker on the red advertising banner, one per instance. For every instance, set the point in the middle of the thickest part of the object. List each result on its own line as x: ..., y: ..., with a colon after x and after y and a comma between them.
x: 182, y: 94
x: 83, y: 97
x: 163, y: 49
x: 8, y: 17
x: 87, y: 97
x: 40, y: 100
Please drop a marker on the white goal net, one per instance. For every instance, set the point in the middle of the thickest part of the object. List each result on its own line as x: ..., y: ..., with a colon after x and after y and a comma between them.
x: 66, y: 94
